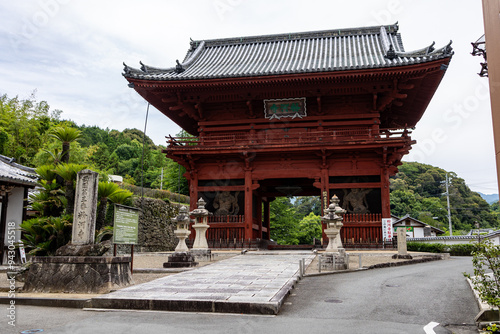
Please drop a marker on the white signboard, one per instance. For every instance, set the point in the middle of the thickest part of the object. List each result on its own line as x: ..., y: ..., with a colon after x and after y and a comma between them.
x: 387, y: 229
x: 22, y: 252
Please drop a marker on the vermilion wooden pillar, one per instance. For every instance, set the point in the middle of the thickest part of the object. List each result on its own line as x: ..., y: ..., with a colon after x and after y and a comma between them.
x: 193, y: 190
x: 385, y: 193
x: 248, y: 204
x: 267, y: 218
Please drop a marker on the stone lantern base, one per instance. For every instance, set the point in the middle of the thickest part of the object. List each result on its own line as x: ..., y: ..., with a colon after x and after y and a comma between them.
x: 336, y: 260
x: 180, y: 260
x: 202, y: 254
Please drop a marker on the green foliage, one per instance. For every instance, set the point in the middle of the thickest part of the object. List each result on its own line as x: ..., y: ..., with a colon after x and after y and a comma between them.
x: 23, y: 127
x: 417, y: 190
x: 109, y: 192
x: 44, y: 235
x: 309, y: 228
x: 486, y: 279
x: 156, y: 193
x: 454, y: 250
x: 284, y: 223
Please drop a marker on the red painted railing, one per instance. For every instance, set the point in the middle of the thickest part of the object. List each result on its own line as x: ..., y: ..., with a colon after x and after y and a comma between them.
x: 362, y: 218
x: 226, y: 219
x: 281, y: 137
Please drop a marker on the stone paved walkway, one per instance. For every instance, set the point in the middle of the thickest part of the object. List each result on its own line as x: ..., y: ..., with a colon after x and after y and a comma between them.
x: 251, y: 283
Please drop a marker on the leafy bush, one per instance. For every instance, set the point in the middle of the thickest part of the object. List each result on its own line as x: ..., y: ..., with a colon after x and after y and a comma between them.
x: 454, y: 250
x: 44, y: 235
x: 156, y: 193
x: 486, y: 280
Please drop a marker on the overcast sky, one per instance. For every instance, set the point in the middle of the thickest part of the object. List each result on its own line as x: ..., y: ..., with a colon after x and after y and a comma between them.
x: 71, y: 52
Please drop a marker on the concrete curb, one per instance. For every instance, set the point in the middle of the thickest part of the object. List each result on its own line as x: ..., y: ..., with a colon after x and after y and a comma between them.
x: 50, y: 302
x: 404, y: 263
x: 486, y: 313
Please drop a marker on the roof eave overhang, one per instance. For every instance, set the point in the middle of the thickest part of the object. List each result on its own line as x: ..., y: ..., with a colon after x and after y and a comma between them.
x: 152, y: 90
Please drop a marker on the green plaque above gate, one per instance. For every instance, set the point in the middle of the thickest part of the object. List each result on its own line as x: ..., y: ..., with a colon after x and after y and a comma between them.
x: 278, y: 108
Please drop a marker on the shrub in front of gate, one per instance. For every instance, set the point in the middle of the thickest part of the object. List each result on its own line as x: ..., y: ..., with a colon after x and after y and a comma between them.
x: 454, y: 250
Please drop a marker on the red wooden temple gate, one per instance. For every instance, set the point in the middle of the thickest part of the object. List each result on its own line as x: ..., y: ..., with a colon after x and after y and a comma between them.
x: 303, y: 114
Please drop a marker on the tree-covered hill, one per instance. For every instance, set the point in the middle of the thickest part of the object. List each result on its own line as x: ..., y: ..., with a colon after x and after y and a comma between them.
x: 25, y: 127
x: 418, y: 190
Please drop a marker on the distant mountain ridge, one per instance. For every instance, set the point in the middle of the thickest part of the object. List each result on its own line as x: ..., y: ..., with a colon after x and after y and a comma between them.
x: 492, y: 198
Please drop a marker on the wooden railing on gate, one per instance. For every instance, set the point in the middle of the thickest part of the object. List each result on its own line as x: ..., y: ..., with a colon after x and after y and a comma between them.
x: 225, y: 230
x: 363, y: 231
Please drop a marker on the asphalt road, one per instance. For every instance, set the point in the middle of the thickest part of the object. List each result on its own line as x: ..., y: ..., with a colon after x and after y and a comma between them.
x: 391, y: 300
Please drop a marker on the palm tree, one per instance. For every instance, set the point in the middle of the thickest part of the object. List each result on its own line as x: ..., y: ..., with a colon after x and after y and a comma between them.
x: 68, y: 172
x: 66, y: 135
x: 46, y: 172
x: 109, y: 191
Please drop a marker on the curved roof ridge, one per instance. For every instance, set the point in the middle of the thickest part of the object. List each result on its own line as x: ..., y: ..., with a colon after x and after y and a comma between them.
x: 393, y: 28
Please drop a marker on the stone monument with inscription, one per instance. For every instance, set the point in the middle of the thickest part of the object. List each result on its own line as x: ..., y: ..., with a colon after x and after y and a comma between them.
x: 84, y: 216
x: 79, y: 267
x: 402, y: 249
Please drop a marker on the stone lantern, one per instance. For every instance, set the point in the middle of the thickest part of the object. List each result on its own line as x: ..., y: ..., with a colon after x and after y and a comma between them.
x: 182, y: 232
x: 333, y: 221
x: 181, y: 257
x: 335, y: 256
x: 200, y: 246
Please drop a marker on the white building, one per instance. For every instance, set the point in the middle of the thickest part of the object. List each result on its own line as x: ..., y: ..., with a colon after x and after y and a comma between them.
x: 15, y: 180
x: 415, y: 228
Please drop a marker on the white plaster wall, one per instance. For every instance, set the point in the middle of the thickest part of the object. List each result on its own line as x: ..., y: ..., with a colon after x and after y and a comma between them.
x: 418, y: 232
x: 15, y: 211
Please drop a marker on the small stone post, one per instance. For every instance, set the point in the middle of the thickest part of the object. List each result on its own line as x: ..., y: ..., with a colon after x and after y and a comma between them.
x: 402, y: 250
x: 84, y: 216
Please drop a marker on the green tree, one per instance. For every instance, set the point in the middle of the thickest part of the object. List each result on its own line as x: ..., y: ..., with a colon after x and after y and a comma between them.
x: 284, y: 222
x: 309, y: 228
x: 66, y: 135
x: 68, y: 173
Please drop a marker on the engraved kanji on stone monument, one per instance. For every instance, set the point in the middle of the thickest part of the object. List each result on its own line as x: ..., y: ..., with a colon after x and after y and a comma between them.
x: 85, y: 207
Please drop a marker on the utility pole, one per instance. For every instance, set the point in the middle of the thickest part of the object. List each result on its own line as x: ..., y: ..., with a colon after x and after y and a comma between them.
x: 161, y: 179
x: 447, y: 193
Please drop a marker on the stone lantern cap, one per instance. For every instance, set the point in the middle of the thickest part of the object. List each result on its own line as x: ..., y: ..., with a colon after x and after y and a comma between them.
x: 200, y: 211
x: 182, y: 217
x: 333, y: 212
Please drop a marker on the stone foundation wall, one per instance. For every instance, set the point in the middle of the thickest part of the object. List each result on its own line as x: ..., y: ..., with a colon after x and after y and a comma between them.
x: 156, y: 231
x: 78, y: 274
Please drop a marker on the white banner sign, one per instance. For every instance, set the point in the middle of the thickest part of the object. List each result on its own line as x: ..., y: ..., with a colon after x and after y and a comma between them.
x: 387, y: 228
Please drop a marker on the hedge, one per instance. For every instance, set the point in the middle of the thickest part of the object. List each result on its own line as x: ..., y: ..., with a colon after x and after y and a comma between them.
x: 454, y: 250
x: 156, y: 193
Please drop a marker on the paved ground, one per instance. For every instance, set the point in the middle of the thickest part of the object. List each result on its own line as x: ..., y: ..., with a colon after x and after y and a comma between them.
x: 395, y: 300
x: 256, y: 282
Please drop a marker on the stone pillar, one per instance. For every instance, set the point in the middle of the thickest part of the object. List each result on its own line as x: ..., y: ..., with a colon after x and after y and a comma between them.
x: 402, y: 250
x: 84, y: 216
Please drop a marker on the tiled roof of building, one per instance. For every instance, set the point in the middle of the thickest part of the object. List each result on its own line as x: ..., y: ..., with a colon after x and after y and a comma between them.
x: 308, y: 52
x: 407, y: 216
x: 11, y: 172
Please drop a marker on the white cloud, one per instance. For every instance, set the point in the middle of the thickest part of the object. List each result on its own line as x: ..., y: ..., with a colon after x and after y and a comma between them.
x: 72, y: 51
